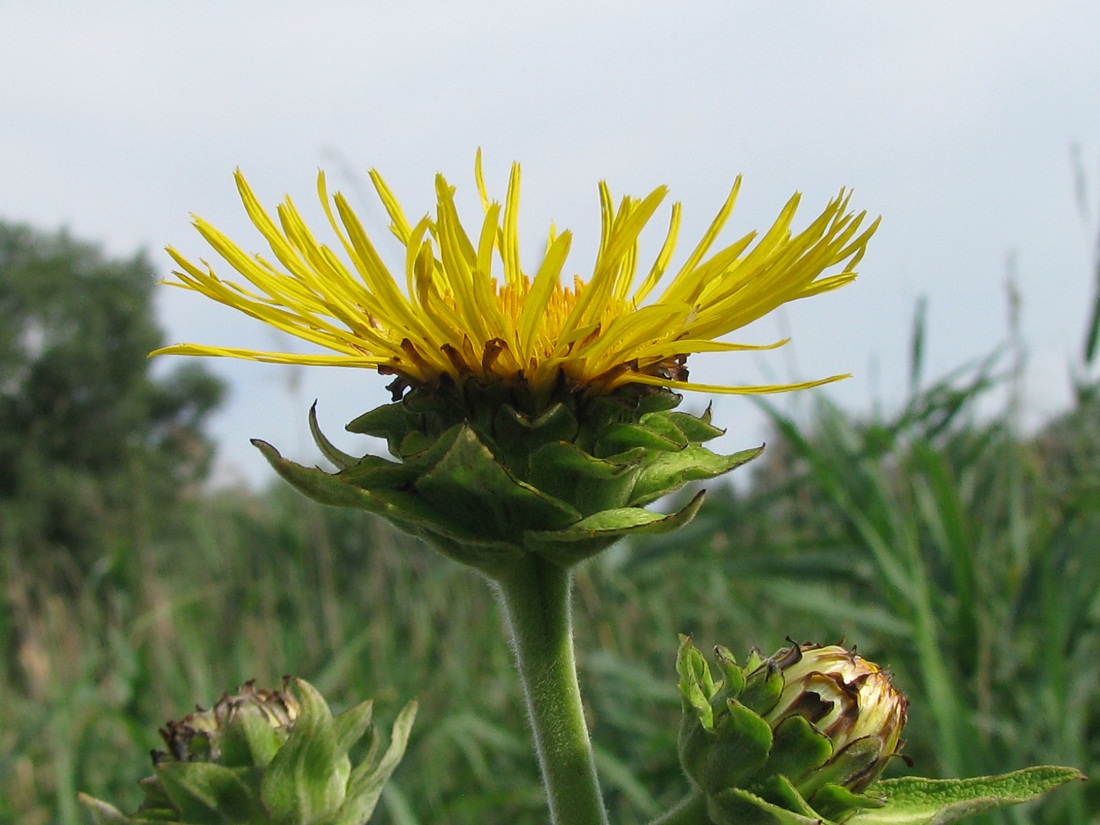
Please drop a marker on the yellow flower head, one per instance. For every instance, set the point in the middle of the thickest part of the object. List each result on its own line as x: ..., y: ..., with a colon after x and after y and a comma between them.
x: 469, y: 309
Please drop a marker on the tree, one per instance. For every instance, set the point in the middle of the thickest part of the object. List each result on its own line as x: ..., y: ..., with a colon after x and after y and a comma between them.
x: 87, y: 435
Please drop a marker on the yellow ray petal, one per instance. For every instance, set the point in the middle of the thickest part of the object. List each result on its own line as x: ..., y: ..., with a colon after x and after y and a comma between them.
x: 452, y: 317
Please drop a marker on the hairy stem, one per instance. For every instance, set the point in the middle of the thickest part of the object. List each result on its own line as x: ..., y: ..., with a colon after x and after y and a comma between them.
x: 535, y: 596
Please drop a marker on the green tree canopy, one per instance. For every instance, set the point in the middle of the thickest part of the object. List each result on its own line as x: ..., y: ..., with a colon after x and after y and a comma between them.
x: 86, y: 432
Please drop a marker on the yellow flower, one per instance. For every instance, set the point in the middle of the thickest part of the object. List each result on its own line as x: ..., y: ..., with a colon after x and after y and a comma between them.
x: 469, y: 309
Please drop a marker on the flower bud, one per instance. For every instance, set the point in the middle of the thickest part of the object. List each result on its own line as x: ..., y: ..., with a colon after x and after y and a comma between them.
x: 242, y: 728
x: 265, y: 756
x: 804, y: 732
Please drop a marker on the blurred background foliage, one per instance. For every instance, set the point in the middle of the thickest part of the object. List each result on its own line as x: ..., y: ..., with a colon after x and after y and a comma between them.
x: 940, y: 538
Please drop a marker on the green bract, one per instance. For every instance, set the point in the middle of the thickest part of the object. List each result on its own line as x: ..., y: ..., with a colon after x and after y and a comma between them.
x: 264, y: 757
x: 795, y: 738
x: 801, y: 738
x: 486, y: 477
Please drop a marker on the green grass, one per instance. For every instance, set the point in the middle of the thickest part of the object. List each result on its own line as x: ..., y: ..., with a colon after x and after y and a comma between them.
x: 953, y: 549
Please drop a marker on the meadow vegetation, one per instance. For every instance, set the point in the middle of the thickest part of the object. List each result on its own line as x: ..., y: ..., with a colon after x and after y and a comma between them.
x: 951, y: 546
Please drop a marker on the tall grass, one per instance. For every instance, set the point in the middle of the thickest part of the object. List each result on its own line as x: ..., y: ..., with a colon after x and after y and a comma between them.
x: 952, y: 548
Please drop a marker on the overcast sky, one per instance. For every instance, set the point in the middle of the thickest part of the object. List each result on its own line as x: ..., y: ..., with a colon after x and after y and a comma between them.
x: 954, y: 121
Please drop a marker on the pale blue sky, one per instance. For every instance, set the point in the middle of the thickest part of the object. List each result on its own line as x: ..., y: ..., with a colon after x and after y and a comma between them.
x: 953, y: 121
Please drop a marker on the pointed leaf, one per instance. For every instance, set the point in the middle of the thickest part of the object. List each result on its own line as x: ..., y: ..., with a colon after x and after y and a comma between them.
x: 589, y: 536
x: 367, y: 781
x: 350, y: 725
x: 696, y: 734
x: 779, y: 790
x: 737, y: 806
x: 695, y: 429
x: 318, y: 485
x: 740, y: 749
x: 835, y: 802
x: 732, y: 674
x: 470, y: 487
x: 102, y: 813
x: 489, y: 557
x: 250, y: 741
x: 663, y: 425
x: 375, y: 473
x: 307, y: 779
x: 618, y: 438
x: 601, y: 411
x: 696, y: 684
x: 405, y: 510
x: 206, y: 793
x: 859, y: 763
x: 623, y: 521
x: 558, y: 423
x: 390, y: 421
x: 518, y: 436
x: 919, y: 801
x: 670, y: 471
x: 763, y: 687
x: 421, y: 452
x: 330, y: 451
x: 566, y: 472
x: 799, y: 748
x: 661, y: 401
x: 155, y: 803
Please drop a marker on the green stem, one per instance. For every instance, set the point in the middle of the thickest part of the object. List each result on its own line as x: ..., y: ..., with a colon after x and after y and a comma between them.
x: 691, y: 810
x: 535, y: 596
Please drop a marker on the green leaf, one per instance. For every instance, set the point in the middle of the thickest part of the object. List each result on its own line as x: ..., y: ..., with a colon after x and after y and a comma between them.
x: 696, y: 684
x: 518, y: 436
x: 662, y: 424
x: 670, y: 471
x: 919, y: 801
x: 798, y: 748
x: 367, y: 781
x: 375, y: 473
x: 405, y: 510
x: 102, y: 813
x: 660, y: 436
x: 350, y: 725
x: 318, y: 485
x: 327, y: 448
x: 589, y: 536
x: 622, y: 521
x: 779, y: 790
x: 422, y: 451
x: 469, y: 487
x: 743, y: 740
x: 155, y: 803
x: 763, y: 687
x: 390, y: 421
x: 696, y: 736
x: 307, y: 779
x: 250, y: 740
x: 835, y: 802
x: 489, y: 557
x: 413, y: 422
x: 739, y: 807
x: 732, y: 674
x: 601, y: 411
x: 694, y: 428
x: 860, y: 762
x: 206, y: 793
x: 567, y: 472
